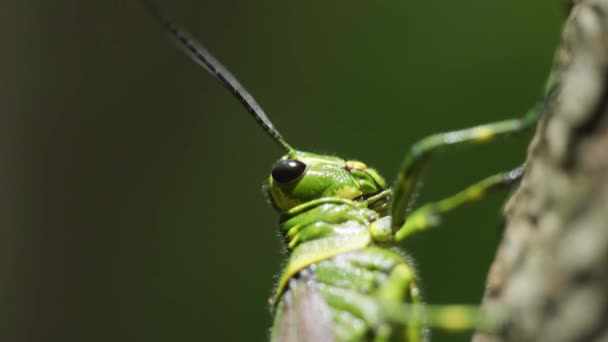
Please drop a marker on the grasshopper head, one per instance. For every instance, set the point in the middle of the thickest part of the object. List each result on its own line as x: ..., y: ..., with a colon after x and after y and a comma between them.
x: 299, y: 177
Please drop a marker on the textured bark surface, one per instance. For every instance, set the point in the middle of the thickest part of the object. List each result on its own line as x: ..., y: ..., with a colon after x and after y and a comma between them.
x: 551, y: 270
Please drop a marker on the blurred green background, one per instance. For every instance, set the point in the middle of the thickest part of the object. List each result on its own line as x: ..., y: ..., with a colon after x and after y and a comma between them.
x: 140, y: 210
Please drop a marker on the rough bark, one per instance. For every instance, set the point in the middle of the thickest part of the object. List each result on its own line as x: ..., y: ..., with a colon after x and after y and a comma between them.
x: 550, y: 273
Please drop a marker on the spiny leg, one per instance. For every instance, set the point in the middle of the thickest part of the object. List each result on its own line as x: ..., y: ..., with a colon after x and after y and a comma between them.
x: 429, y: 215
x: 414, y: 162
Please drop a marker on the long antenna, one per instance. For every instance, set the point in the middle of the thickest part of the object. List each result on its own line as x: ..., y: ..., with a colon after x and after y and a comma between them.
x: 202, y: 57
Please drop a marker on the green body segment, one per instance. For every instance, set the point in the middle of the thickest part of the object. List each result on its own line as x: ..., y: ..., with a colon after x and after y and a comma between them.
x: 349, y: 284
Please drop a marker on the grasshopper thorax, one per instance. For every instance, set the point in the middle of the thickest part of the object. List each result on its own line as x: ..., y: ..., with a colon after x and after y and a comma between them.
x: 300, y: 177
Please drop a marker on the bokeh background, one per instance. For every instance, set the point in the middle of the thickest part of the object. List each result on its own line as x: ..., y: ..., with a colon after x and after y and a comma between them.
x: 140, y: 211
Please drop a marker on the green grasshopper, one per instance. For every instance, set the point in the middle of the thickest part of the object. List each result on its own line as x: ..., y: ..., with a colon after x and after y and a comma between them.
x: 340, y: 222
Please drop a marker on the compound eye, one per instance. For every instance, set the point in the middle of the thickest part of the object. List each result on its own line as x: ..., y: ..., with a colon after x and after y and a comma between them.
x: 287, y: 170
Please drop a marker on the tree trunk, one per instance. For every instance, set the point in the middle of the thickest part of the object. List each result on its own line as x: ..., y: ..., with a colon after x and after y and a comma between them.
x: 550, y: 274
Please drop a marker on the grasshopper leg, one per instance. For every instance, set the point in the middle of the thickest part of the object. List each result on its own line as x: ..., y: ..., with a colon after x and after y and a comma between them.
x: 454, y: 318
x: 420, y: 153
x: 429, y: 215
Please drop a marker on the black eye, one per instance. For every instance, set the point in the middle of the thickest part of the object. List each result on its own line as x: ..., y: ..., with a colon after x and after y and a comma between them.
x: 287, y: 170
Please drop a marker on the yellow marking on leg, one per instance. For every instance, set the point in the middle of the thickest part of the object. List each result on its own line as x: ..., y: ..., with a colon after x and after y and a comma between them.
x: 475, y: 193
x: 420, y: 221
x: 455, y: 318
x: 483, y: 133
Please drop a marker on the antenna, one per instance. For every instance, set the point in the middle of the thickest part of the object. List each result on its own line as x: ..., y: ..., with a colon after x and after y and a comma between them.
x: 202, y: 57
